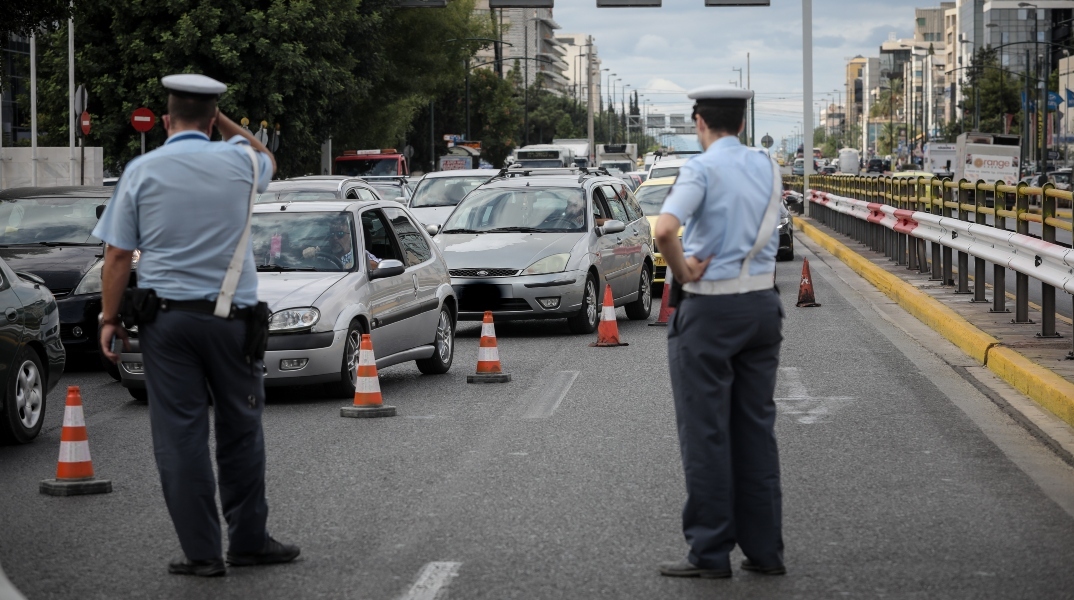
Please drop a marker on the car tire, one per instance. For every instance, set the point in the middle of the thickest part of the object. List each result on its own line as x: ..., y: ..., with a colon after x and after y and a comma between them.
x: 24, y: 405
x: 440, y: 362
x: 140, y: 395
x: 110, y: 367
x: 786, y: 255
x: 348, y: 370
x: 640, y: 309
x: 587, y: 318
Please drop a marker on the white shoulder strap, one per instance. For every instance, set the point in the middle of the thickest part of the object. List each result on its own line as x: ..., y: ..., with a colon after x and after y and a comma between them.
x: 768, y: 222
x: 234, y: 268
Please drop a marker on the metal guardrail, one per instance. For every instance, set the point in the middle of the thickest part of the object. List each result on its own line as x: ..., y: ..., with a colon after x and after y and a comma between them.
x: 911, y: 219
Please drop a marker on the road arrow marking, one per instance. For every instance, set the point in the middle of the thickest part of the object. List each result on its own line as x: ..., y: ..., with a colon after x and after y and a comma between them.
x: 433, y: 581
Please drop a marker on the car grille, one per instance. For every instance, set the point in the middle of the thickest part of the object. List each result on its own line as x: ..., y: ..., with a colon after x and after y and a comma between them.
x: 497, y: 305
x: 484, y: 272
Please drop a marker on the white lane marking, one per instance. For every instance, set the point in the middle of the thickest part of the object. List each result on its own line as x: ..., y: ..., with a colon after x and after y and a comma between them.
x: 433, y: 581
x: 796, y: 400
x: 548, y: 397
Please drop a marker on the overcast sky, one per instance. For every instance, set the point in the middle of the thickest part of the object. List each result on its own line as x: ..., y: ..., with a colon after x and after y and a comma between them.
x: 665, y: 51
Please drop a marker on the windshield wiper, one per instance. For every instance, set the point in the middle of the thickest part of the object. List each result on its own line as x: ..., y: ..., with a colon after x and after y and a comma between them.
x: 282, y: 268
x: 514, y: 230
x: 433, y: 205
x: 52, y: 244
x: 461, y: 231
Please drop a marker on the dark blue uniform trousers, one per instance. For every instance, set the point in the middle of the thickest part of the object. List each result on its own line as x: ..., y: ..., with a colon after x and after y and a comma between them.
x: 724, y: 354
x: 187, y: 354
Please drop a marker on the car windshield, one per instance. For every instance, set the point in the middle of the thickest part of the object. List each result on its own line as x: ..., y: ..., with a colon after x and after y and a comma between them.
x: 526, y: 210
x: 541, y: 164
x: 389, y: 191
x: 296, y: 196
x: 49, y: 221
x: 445, y: 191
x: 297, y: 241
x: 367, y: 167
x: 651, y: 198
x: 659, y: 172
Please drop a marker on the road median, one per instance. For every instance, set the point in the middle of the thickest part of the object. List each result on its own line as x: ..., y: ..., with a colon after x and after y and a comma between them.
x: 1047, y: 388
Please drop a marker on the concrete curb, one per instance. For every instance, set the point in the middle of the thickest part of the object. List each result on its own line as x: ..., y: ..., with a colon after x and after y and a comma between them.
x: 1044, y: 386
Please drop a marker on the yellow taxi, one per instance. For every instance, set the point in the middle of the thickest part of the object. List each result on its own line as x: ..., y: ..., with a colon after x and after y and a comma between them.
x: 651, y: 196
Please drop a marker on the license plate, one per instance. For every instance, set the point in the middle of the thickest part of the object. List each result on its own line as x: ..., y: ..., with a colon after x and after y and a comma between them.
x: 660, y: 261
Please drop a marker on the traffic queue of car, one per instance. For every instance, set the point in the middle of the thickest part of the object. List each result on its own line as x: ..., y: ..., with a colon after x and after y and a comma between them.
x: 340, y: 256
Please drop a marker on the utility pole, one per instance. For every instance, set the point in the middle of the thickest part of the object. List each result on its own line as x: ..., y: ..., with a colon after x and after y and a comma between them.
x: 753, y: 104
x: 807, y: 96
x: 71, y: 117
x: 589, y: 98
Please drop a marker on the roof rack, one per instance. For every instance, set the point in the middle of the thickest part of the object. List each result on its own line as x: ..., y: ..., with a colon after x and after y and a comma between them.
x: 515, y: 171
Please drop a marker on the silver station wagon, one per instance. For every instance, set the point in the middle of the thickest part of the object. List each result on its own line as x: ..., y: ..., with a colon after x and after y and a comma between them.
x: 331, y: 271
x: 543, y: 243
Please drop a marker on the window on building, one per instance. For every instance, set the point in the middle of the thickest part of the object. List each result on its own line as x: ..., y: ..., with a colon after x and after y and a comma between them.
x: 921, y: 22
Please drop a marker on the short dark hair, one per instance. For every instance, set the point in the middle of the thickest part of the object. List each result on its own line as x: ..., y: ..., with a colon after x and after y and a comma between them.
x: 192, y: 109
x: 725, y: 117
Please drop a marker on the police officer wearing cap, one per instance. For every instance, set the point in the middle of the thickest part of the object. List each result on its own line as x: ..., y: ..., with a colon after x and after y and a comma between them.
x: 724, y: 341
x: 185, y: 207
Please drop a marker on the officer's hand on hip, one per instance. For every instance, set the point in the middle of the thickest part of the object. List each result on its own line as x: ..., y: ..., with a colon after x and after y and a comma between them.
x: 695, y: 269
x: 108, y: 331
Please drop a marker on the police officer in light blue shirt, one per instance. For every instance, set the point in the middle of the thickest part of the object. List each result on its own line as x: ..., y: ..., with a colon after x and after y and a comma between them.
x: 185, y: 207
x: 724, y: 341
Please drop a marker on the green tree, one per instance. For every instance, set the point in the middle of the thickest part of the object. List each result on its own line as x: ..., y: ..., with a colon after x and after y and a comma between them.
x: 998, y: 91
x: 356, y: 70
x: 21, y: 17
x: 889, y: 101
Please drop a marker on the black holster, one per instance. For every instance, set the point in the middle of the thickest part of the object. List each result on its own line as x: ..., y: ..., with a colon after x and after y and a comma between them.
x: 138, y: 307
x: 675, y: 293
x: 257, y: 332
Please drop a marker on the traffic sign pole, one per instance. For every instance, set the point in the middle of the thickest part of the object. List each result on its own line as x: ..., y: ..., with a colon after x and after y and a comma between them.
x: 143, y: 142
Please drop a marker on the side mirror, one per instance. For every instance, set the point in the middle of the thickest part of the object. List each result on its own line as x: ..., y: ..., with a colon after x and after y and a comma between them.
x: 100, y: 210
x: 432, y: 229
x: 387, y: 268
x: 30, y: 277
x: 401, y: 199
x: 611, y: 226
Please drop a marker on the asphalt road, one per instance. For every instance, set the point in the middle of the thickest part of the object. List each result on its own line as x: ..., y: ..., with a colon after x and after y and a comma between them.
x: 566, y: 483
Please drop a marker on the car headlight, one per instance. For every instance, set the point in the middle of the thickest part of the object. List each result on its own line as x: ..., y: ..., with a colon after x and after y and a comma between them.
x: 91, y: 281
x: 784, y: 222
x: 548, y: 264
x: 293, y: 319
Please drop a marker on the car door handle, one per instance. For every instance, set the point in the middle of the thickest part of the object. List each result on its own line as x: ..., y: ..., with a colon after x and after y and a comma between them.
x: 12, y: 315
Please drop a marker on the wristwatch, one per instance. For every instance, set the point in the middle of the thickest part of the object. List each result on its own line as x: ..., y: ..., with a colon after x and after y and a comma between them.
x: 103, y: 321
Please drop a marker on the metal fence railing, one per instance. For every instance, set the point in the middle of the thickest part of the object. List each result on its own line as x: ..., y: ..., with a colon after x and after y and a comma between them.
x: 935, y: 225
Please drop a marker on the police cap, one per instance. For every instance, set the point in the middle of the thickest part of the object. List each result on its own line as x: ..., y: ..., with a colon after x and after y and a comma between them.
x: 720, y: 95
x: 193, y: 85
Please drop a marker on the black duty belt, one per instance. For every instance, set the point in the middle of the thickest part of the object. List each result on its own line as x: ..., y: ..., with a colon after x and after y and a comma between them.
x: 205, y: 307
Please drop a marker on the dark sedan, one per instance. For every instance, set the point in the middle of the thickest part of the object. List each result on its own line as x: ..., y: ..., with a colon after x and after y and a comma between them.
x: 31, y: 354
x: 48, y: 232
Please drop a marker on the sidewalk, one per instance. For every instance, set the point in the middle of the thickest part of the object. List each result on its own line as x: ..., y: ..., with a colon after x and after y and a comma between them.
x: 1039, y: 368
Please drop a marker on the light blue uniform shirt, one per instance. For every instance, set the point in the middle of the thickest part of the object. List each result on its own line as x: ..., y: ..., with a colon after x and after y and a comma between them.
x: 184, y: 206
x: 721, y: 197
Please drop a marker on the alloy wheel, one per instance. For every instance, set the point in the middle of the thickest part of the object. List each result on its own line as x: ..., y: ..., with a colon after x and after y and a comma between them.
x: 354, y: 343
x: 444, y: 336
x: 591, y: 301
x: 28, y: 394
x: 646, y: 291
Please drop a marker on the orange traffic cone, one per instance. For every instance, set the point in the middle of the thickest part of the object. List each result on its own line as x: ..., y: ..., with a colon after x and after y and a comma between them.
x: 74, y: 470
x: 488, y: 356
x: 608, y: 330
x: 805, y: 291
x: 368, y: 402
x: 665, y: 310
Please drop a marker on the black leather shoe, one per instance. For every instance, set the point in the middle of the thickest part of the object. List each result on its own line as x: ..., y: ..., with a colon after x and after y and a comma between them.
x: 685, y: 568
x: 200, y: 568
x: 747, y: 565
x: 272, y: 553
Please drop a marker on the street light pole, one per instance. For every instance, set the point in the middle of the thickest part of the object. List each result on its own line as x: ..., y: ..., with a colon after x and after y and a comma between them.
x: 807, y: 93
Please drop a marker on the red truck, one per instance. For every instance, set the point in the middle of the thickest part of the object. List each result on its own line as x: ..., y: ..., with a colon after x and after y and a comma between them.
x: 366, y: 163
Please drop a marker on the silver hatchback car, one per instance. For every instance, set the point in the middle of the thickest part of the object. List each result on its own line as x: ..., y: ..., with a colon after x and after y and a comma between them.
x: 331, y: 271
x: 543, y: 243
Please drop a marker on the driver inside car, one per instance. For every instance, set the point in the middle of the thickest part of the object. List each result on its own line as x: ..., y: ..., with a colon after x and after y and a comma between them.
x: 340, y: 246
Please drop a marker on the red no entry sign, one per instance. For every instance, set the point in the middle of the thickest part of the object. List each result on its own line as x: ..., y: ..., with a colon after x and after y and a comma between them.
x: 84, y: 121
x: 143, y: 119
